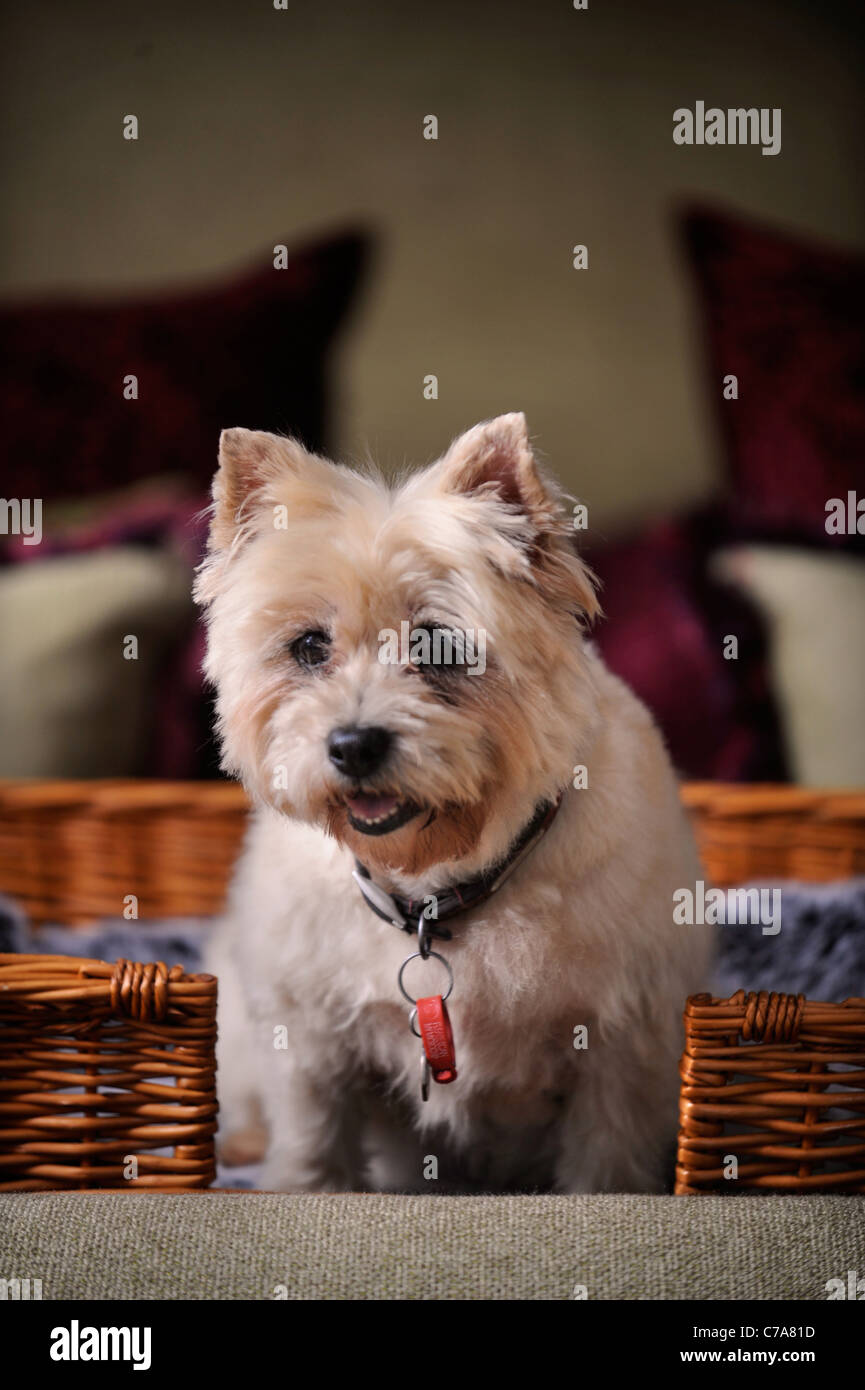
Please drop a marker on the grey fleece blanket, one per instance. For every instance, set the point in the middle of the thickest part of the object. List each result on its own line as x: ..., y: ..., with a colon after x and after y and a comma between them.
x: 816, y: 946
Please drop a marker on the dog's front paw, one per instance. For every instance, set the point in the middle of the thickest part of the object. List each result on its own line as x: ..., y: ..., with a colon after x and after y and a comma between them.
x: 285, y: 1175
x: 241, y: 1147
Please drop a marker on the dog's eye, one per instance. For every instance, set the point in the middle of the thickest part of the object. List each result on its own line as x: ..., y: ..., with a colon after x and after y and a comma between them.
x: 311, y: 648
x: 436, y: 649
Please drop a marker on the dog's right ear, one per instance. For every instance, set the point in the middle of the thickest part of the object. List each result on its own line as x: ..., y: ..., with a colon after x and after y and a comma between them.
x: 249, y: 460
x: 252, y: 464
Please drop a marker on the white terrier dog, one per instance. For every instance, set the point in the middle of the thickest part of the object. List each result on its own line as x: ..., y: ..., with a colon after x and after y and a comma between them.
x: 404, y: 686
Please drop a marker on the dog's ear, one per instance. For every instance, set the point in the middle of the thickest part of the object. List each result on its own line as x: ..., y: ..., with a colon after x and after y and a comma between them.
x: 496, y: 458
x: 248, y: 461
x: 496, y: 454
x: 251, y: 462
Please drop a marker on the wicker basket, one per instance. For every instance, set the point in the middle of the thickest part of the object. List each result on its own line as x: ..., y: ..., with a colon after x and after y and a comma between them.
x: 778, y: 1081
x: 766, y: 831
x: 102, y: 1069
x: 72, y: 852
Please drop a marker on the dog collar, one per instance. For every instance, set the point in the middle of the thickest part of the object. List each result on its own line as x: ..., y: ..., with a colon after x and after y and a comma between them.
x: 408, y: 913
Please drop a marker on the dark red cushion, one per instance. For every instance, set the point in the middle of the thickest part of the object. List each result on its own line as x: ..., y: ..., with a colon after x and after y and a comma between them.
x: 787, y: 318
x: 244, y: 350
x: 248, y: 349
x: 663, y: 632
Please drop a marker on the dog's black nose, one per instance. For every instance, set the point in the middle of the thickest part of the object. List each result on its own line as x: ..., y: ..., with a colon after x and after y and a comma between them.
x: 358, y: 750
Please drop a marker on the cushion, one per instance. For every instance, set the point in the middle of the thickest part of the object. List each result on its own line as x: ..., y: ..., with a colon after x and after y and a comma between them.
x: 71, y: 704
x: 787, y: 318
x: 665, y: 620
x: 261, y: 1246
x: 244, y: 350
x: 157, y: 512
x: 814, y: 604
x: 150, y: 512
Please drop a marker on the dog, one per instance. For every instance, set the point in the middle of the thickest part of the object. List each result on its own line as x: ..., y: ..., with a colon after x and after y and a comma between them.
x: 512, y: 824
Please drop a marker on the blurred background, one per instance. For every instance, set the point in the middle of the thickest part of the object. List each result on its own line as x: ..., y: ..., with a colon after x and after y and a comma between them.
x: 142, y: 311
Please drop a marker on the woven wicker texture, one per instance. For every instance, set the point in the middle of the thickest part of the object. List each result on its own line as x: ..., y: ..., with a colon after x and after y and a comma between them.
x: 72, y: 852
x: 215, y: 1246
x: 766, y: 831
x: 778, y: 1081
x: 100, y: 1066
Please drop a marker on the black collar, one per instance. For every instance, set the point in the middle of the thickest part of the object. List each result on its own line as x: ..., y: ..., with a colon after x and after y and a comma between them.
x: 406, y: 913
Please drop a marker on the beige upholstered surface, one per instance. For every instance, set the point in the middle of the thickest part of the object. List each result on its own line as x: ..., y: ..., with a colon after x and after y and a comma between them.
x: 262, y: 1245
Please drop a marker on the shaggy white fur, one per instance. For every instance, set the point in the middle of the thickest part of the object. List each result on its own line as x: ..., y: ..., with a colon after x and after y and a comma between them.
x: 315, y: 1050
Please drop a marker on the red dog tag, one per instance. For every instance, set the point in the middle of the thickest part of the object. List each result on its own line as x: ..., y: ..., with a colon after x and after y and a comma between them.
x: 437, y: 1038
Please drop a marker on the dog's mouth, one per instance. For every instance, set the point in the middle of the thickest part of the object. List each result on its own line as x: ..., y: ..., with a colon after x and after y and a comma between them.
x: 378, y: 813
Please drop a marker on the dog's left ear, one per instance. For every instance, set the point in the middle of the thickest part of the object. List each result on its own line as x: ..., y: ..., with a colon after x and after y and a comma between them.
x: 496, y: 459
x: 497, y: 454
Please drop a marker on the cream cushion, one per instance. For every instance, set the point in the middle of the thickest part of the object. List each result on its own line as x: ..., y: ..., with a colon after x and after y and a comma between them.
x: 814, y: 606
x: 71, y: 704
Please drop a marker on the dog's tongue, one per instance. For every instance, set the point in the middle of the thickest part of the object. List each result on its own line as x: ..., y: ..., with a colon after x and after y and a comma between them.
x: 373, y: 807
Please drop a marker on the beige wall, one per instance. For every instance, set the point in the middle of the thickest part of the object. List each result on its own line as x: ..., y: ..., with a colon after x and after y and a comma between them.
x: 555, y: 128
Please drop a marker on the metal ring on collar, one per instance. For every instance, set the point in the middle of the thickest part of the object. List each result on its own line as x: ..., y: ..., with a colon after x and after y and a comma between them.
x: 416, y: 955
